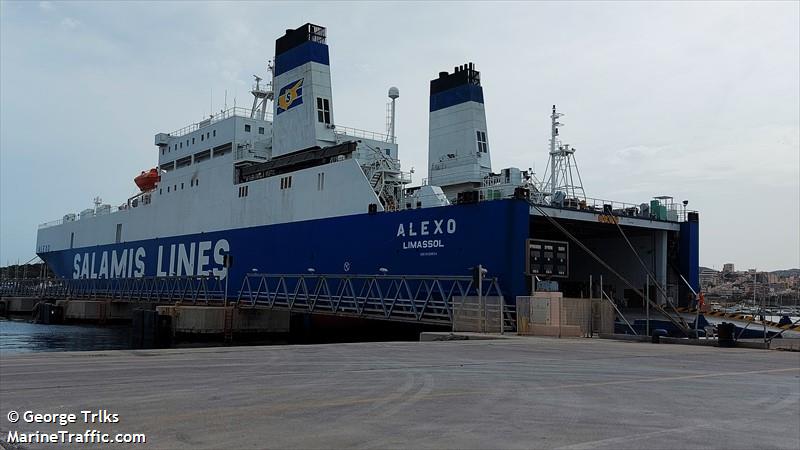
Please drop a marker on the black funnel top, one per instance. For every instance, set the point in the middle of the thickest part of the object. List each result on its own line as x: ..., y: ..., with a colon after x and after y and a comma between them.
x: 305, y: 33
x: 465, y: 74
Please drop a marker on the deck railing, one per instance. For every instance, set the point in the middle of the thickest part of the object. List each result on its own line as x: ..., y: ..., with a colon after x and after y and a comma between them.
x: 237, y: 111
x: 169, y: 289
x: 365, y: 134
x: 674, y: 211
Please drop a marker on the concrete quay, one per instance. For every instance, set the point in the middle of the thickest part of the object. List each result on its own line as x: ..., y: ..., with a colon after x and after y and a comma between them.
x: 95, y: 310
x: 18, y: 305
x: 504, y: 393
x: 190, y: 319
x: 187, y: 320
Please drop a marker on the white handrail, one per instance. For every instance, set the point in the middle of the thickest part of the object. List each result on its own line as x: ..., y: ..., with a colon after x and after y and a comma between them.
x: 230, y: 112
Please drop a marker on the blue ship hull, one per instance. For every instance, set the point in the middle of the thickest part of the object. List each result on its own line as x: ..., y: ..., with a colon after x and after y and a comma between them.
x: 446, y: 240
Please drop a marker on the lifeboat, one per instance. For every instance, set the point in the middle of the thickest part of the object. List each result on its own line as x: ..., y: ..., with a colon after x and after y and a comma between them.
x: 147, y: 180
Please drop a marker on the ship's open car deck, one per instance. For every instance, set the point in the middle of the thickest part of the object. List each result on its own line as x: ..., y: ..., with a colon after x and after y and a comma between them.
x: 656, y: 243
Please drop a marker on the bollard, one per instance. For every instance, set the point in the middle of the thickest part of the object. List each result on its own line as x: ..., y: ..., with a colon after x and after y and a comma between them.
x: 657, y: 334
x: 725, y: 334
x: 163, y: 331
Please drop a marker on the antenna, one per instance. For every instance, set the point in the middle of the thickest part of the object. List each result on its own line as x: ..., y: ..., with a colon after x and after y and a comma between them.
x: 394, y: 94
x: 554, y: 124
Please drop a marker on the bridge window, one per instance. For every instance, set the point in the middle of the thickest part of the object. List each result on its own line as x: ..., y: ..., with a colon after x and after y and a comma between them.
x: 119, y: 233
x: 243, y: 191
x: 183, y: 162
x: 192, y: 141
x: 202, y: 156
x: 214, y: 133
x: 260, y: 130
x: 246, y: 128
x: 286, y: 182
x: 482, y: 144
x: 222, y: 149
x: 323, y: 110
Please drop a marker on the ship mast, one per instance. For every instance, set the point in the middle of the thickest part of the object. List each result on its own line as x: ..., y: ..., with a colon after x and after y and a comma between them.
x: 261, y: 95
x: 554, y: 124
x: 563, y: 168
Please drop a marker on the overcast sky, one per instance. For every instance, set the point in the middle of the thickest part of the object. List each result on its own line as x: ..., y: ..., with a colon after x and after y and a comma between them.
x: 697, y: 101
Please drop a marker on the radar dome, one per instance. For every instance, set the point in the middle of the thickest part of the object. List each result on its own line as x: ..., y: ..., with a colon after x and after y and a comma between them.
x: 394, y: 92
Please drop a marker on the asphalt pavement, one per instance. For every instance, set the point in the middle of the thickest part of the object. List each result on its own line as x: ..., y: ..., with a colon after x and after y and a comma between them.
x: 513, y: 393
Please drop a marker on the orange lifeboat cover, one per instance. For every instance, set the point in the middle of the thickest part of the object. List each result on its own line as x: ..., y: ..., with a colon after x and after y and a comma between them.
x: 147, y: 180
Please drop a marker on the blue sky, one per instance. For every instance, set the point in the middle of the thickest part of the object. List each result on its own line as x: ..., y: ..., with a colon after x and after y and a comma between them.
x: 695, y: 100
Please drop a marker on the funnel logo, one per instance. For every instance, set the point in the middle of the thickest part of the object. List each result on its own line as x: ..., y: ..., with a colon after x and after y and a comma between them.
x: 290, y: 96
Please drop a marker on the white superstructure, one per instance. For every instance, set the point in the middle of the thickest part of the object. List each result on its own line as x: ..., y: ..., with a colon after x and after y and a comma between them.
x: 201, y: 186
x: 243, y: 168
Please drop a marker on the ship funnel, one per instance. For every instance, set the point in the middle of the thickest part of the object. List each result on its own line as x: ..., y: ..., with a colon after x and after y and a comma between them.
x: 458, y: 147
x: 303, y: 106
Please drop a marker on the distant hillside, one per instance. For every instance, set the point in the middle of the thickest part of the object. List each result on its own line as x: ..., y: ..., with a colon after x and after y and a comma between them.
x: 787, y: 272
x: 780, y: 273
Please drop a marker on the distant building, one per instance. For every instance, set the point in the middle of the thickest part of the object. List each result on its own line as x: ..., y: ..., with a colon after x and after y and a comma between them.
x: 708, y: 278
x: 728, y: 268
x: 773, y: 278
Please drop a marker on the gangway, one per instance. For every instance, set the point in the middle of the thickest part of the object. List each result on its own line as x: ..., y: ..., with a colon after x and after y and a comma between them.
x: 428, y: 299
x: 167, y: 289
x: 402, y: 298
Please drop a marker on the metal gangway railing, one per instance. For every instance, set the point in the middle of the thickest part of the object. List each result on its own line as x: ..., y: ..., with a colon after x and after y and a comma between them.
x: 207, y: 289
x: 30, y: 287
x: 405, y: 298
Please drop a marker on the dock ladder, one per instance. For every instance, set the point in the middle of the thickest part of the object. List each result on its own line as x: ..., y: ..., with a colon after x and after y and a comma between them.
x: 227, y: 328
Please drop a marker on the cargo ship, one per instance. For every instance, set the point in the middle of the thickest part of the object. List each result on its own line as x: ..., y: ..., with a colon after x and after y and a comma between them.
x: 280, y: 187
